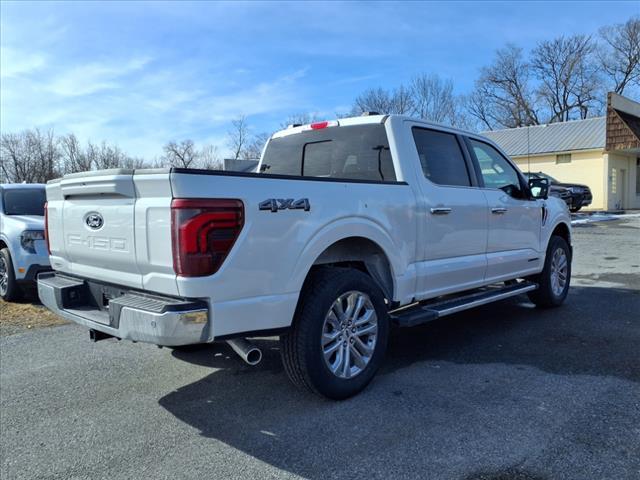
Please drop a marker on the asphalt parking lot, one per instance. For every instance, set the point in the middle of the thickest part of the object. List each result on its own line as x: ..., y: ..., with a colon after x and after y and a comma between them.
x: 501, y: 392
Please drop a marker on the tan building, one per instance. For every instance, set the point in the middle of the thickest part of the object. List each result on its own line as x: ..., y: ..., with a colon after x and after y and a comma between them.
x: 601, y: 152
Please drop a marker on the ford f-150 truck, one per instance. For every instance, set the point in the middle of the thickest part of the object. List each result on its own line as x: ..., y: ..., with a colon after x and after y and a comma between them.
x: 348, y: 228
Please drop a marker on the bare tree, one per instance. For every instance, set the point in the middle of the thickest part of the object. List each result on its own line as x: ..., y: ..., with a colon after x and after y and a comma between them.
x: 480, y: 109
x: 107, y: 156
x: 433, y: 99
x: 181, y: 154
x: 14, y: 162
x: 209, y: 158
x: 567, y: 76
x: 46, y: 152
x: 255, y: 146
x: 238, y: 137
x: 398, y: 101
x: 35, y: 156
x: 74, y: 158
x: 29, y: 156
x: 301, y: 118
x: 372, y: 100
x: 502, y: 95
x: 619, y: 54
x: 134, y: 162
x: 402, y: 101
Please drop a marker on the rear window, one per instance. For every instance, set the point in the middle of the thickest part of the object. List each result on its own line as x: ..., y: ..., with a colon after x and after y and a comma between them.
x: 359, y: 152
x: 24, y: 201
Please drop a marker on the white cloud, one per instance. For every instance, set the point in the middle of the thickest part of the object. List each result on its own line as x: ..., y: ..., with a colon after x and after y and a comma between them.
x: 94, y: 77
x: 15, y: 63
x: 277, y: 95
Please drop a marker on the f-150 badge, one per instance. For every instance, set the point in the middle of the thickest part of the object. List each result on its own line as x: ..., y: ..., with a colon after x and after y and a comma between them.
x: 275, y: 204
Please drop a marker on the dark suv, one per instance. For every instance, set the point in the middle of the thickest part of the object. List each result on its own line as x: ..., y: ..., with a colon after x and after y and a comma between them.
x: 579, y: 195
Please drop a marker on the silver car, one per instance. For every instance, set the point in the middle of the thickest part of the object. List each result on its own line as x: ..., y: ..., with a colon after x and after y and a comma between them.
x: 23, y: 248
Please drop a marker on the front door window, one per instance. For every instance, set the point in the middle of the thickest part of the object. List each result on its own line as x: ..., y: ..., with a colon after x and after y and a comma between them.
x: 496, y: 171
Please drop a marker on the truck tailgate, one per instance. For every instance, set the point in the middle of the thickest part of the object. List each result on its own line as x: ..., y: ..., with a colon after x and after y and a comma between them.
x: 100, y: 223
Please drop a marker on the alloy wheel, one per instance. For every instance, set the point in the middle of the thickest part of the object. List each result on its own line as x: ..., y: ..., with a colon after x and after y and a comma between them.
x: 349, y: 334
x: 559, y: 271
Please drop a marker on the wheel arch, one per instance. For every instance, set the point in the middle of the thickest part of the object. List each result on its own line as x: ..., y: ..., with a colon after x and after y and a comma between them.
x: 562, y: 230
x: 363, y: 254
x: 359, y: 243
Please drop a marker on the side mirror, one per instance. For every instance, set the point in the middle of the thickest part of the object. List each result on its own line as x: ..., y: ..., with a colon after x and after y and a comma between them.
x: 539, y: 187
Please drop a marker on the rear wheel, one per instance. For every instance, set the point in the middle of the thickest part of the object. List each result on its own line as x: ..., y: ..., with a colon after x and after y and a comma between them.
x: 339, y: 336
x: 9, y: 288
x: 553, y: 281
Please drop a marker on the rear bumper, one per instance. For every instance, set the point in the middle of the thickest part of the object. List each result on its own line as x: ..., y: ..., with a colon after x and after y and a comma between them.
x: 130, y: 315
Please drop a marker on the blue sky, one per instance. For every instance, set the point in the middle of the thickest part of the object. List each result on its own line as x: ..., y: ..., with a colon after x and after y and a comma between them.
x: 141, y: 74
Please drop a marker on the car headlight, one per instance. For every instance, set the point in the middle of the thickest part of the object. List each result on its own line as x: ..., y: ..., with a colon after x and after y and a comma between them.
x: 575, y: 189
x: 28, y: 239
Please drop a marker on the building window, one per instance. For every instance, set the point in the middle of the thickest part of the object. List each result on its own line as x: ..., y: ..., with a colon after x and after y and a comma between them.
x: 563, y: 158
x: 613, y: 181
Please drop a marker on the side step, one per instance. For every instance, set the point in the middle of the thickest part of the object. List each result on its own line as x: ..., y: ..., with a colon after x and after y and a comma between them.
x: 426, y: 312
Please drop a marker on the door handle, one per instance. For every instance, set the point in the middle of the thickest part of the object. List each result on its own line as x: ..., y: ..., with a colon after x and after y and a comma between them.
x: 441, y: 211
x: 498, y: 210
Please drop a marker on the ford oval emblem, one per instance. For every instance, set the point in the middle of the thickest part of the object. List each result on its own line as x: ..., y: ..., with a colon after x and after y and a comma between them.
x: 94, y: 221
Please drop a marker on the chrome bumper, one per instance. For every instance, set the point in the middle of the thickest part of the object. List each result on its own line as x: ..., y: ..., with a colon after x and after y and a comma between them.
x: 132, y: 316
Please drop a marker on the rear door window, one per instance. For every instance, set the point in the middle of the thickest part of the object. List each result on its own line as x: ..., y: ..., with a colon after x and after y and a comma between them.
x: 359, y: 152
x: 441, y: 157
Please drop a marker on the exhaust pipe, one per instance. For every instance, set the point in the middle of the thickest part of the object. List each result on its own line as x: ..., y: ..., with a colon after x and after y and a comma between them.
x: 247, y: 350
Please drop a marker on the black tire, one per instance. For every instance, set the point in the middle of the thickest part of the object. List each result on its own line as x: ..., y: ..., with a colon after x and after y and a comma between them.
x: 575, y: 209
x: 11, y: 291
x: 544, y: 296
x: 301, y: 347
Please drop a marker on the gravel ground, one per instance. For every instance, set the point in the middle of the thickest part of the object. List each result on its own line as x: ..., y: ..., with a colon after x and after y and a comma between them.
x: 502, y: 392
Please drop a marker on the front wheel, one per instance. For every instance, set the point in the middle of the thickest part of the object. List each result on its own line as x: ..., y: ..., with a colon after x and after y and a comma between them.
x: 575, y: 209
x: 339, y: 335
x: 553, y: 281
x: 9, y: 288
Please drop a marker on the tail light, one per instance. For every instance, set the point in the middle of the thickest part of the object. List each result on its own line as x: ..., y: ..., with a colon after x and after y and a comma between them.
x: 202, y: 234
x: 46, y: 226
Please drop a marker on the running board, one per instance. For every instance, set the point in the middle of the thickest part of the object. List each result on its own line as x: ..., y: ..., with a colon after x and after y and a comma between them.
x: 426, y: 312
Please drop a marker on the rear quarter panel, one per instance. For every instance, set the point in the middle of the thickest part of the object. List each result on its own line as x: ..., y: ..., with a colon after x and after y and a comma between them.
x: 275, y: 251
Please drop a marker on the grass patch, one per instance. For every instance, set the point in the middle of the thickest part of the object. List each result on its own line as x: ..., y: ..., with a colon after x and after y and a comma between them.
x: 21, y: 316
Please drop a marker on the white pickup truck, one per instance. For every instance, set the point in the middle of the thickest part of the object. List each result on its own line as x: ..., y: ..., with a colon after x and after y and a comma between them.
x: 350, y: 227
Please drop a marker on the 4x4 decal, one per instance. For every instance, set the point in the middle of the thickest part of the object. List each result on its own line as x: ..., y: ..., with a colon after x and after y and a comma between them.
x: 275, y: 204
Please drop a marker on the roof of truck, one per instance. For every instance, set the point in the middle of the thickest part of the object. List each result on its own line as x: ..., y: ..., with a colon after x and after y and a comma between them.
x: 366, y: 120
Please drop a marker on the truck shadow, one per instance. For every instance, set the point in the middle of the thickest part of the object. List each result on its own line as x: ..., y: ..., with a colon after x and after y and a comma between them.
x: 412, y: 415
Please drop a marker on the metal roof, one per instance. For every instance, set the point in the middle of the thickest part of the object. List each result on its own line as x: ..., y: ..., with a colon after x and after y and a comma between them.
x: 554, y: 137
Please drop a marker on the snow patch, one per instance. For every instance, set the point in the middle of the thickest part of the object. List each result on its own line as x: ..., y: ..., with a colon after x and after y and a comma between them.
x: 584, y: 218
